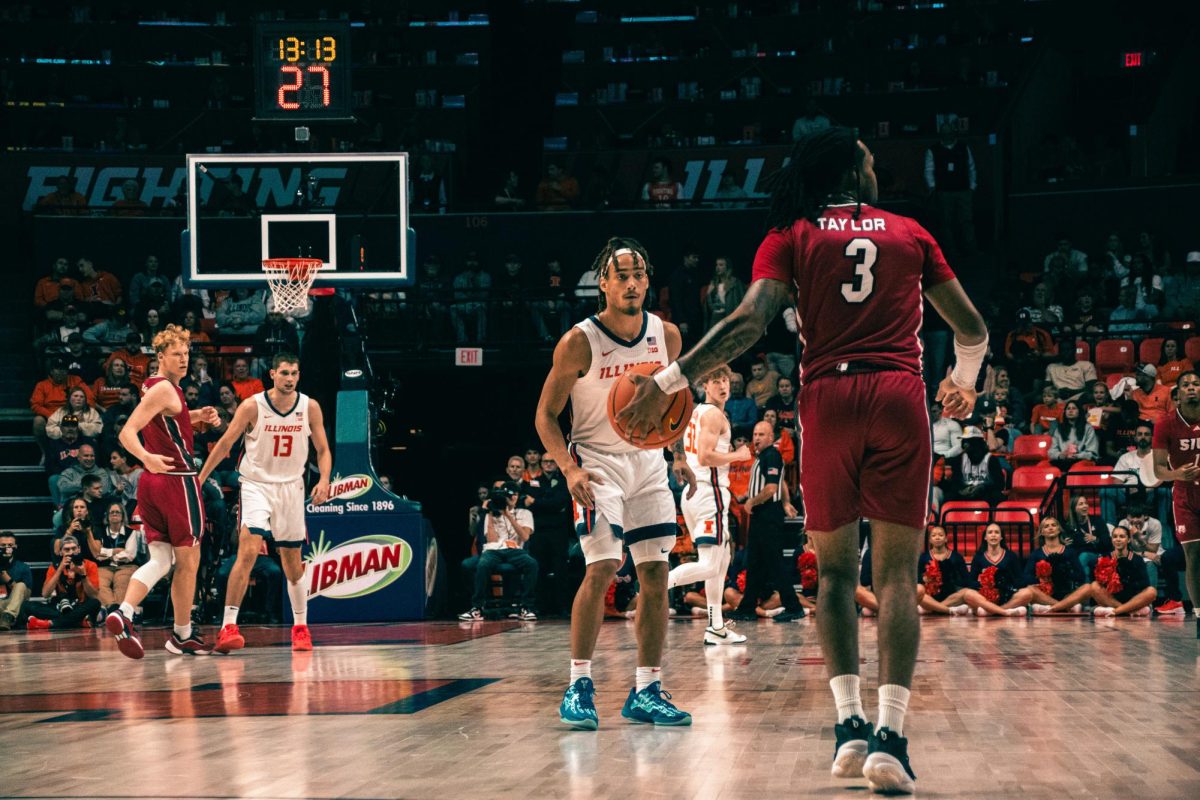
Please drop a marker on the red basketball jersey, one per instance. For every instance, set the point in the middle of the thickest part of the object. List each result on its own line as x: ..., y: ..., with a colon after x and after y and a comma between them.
x: 1181, y: 440
x: 859, y: 286
x: 170, y: 437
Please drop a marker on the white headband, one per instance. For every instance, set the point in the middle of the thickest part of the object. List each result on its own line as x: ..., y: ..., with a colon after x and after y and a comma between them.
x: 626, y: 251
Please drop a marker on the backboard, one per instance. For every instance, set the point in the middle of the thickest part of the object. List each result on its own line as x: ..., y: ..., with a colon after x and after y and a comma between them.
x: 349, y: 210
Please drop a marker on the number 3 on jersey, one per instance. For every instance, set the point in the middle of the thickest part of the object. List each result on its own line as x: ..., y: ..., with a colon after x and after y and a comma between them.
x: 864, y: 252
x: 283, y: 446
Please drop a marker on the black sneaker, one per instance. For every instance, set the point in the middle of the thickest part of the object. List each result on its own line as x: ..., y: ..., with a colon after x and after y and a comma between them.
x: 474, y: 615
x: 193, y: 645
x: 789, y: 616
x: 886, y: 768
x: 850, y: 749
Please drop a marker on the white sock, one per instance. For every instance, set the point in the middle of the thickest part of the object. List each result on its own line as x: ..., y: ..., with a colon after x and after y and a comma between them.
x: 231, y: 613
x: 847, y: 693
x: 298, y: 593
x: 183, y: 631
x: 580, y: 668
x: 646, y: 676
x: 127, y: 610
x: 893, y: 703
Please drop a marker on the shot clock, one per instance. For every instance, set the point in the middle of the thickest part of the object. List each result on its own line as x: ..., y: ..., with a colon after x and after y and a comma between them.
x: 302, y: 71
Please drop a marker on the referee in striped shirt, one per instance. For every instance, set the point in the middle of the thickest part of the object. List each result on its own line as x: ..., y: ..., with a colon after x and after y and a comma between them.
x: 765, y: 568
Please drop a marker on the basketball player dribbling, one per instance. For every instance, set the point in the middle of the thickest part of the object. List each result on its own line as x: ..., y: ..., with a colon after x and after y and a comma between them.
x: 860, y: 275
x: 277, y: 425
x: 1177, y: 458
x: 168, y: 497
x: 620, y: 492
x: 706, y: 512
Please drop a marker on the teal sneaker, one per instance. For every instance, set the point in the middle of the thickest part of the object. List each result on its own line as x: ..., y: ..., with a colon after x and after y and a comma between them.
x: 650, y: 705
x: 578, y: 709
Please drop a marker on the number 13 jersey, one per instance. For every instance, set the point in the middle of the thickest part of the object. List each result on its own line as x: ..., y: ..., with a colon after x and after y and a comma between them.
x: 277, y: 444
x: 859, y: 285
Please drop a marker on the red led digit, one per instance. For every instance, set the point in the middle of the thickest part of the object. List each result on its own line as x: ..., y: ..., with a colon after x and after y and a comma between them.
x: 299, y: 77
x: 324, y: 83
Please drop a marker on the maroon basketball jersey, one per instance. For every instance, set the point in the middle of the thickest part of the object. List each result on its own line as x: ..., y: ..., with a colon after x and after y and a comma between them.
x: 170, y: 437
x: 859, y: 286
x: 1181, y: 440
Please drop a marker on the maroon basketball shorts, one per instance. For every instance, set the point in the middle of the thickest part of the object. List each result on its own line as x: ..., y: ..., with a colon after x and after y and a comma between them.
x: 865, y: 449
x: 171, y: 508
x: 1187, y: 516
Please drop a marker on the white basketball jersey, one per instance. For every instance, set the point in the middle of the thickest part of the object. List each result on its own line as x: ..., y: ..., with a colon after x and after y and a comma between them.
x: 611, y: 358
x: 276, y: 447
x: 691, y: 442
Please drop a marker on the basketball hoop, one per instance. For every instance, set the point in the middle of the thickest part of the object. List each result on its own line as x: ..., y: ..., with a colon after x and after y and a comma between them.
x: 290, y: 279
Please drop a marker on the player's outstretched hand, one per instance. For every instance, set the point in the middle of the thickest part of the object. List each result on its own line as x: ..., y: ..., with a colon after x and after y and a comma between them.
x: 209, y: 415
x: 646, y: 410
x: 157, y: 464
x: 957, y: 402
x: 320, y: 493
x: 579, y: 482
x: 684, y: 475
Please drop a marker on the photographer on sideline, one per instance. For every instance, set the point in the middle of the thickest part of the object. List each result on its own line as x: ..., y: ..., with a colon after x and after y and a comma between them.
x: 73, y: 589
x: 506, y: 528
x: 15, y: 581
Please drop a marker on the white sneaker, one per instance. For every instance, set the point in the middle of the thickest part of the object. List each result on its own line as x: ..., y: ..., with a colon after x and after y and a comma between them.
x: 981, y: 612
x: 1103, y: 611
x: 1144, y: 611
x: 1077, y: 608
x: 866, y: 612
x: 1039, y: 608
x: 722, y: 635
x: 699, y: 612
x: 1016, y: 612
x: 921, y: 610
x: 774, y: 612
x: 960, y: 610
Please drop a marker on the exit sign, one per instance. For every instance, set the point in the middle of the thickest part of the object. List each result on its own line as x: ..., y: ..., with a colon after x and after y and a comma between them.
x: 1133, y: 59
x: 468, y: 357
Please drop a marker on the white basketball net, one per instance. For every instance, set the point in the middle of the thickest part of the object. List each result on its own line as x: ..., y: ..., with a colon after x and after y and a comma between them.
x: 290, y: 279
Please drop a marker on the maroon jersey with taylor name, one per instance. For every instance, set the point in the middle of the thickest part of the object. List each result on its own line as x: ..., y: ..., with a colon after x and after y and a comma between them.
x: 170, y: 437
x: 859, y: 286
x: 1181, y: 440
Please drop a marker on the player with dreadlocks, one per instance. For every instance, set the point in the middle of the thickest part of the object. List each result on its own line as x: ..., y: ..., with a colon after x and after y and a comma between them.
x: 620, y: 492
x: 860, y: 275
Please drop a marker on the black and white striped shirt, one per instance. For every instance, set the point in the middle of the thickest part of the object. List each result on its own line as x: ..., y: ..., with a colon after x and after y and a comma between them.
x: 767, y: 469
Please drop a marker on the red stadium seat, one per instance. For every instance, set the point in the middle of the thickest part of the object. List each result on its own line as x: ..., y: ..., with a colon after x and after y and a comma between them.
x: 1032, y: 483
x: 1030, y: 450
x: 1114, y: 355
x: 1192, y: 348
x: 964, y: 505
x: 1150, y: 350
x: 1083, y: 350
x: 1019, y: 523
x: 1010, y: 511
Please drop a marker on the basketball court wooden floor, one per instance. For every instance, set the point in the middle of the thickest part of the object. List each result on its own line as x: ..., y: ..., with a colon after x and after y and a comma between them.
x: 1037, y: 708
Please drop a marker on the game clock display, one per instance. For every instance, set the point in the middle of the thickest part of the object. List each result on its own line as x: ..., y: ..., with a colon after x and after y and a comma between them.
x: 302, y: 71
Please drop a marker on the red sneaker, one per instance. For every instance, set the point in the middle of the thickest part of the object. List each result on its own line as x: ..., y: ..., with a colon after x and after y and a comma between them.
x: 127, y: 639
x: 301, y: 639
x: 229, y: 639
x: 1171, y: 607
x: 35, y: 624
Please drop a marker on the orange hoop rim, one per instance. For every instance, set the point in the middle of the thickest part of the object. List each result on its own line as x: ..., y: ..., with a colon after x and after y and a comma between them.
x: 296, y: 268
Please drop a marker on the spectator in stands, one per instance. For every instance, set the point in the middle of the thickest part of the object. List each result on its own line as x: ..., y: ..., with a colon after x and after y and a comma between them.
x: 661, y: 191
x: 78, y: 361
x: 227, y: 399
x: 784, y: 403
x: 686, y: 311
x: 1115, y: 259
x: 73, y: 589
x: 154, y: 297
x: 97, y: 290
x: 506, y: 528
x: 514, y: 468
x: 148, y: 275
x: 1042, y: 308
x: 471, y: 289
x: 1099, y: 408
x: 127, y: 400
x: 509, y: 290
x: 950, y: 178
x: 64, y: 200
x: 87, y: 418
x: 118, y: 550
x: 150, y: 323
x: 244, y: 384
x: 110, y: 333
x: 183, y: 298
x: 557, y: 191
x: 198, y: 377
x: 75, y: 519
x: 509, y: 197
x: 1145, y: 537
x: 944, y: 574
x: 978, y: 475
x: 1006, y: 405
x: 553, y: 305
x: 241, y: 313
x: 64, y: 452
x: 435, y: 297
x: 1086, y: 533
x: 1076, y: 260
x: 1128, y: 310
x: 60, y: 327
x: 1068, y: 375
x: 1124, y: 590
x: 1122, y: 428
x: 811, y: 120
x: 996, y: 571
x: 56, y: 289
x: 549, y: 500
x: 1046, y: 414
x: 587, y: 293
x: 135, y: 359
x: 725, y: 292
x: 533, y: 466
x: 130, y: 204
x: 1173, y: 362
x: 1152, y: 397
x: 277, y: 335
x: 1085, y: 318
x: 49, y: 395
x: 1128, y: 471
x: 1073, y: 439
x: 1028, y: 349
x: 729, y: 194
x: 197, y: 336
x: 123, y: 475
x: 16, y: 579
x: 763, y: 385
x: 947, y: 433
x: 428, y: 188
x: 742, y: 410
x: 73, y: 479
x: 1182, y: 289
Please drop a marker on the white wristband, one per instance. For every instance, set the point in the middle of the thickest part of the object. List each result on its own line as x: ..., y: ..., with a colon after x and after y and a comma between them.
x: 671, y: 379
x: 968, y: 360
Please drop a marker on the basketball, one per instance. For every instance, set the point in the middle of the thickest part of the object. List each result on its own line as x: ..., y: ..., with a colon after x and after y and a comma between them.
x: 676, y: 416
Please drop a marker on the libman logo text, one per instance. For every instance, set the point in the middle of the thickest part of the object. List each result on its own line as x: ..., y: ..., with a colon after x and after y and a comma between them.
x: 358, y: 567
x: 350, y: 487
